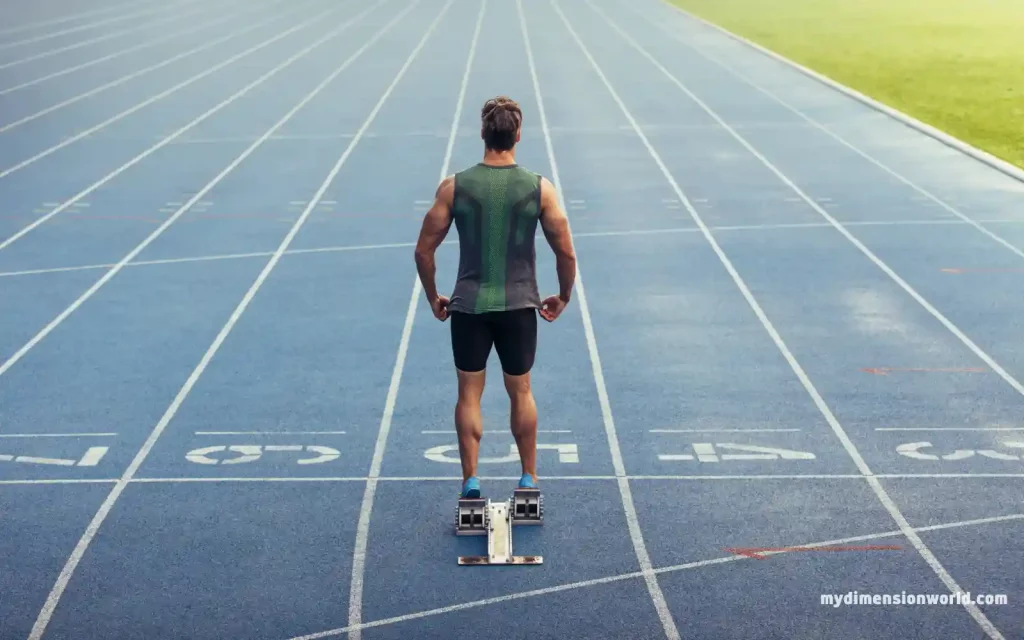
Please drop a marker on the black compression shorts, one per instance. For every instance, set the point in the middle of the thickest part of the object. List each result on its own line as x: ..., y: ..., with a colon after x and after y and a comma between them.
x: 512, y: 333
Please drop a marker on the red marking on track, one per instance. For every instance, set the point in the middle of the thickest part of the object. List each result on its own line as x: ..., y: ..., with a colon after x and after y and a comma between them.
x: 755, y: 552
x: 884, y: 371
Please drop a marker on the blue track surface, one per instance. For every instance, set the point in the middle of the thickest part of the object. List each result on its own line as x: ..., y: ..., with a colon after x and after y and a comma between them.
x: 799, y: 330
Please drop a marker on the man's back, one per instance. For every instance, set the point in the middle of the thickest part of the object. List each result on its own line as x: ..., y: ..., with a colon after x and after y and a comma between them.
x: 496, y: 209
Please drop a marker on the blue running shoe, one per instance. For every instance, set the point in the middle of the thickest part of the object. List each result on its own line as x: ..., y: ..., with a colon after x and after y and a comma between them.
x: 471, y: 488
x: 526, y: 482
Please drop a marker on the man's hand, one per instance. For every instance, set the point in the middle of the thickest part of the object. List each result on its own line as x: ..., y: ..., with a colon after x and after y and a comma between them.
x: 551, y: 308
x: 439, y: 306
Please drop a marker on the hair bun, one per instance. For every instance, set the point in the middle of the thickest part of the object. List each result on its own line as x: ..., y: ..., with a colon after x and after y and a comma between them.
x: 501, y: 118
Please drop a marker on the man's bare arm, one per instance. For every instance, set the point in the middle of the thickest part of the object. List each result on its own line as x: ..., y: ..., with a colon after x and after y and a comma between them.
x: 556, y: 229
x: 436, y: 223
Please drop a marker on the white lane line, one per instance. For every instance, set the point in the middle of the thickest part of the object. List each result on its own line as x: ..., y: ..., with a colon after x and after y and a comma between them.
x: 632, y: 519
x: 70, y: 18
x: 722, y: 430
x: 404, y: 245
x: 59, y: 481
x: 355, y: 605
x: 232, y: 256
x: 57, y: 435
x: 928, y: 195
x: 949, y: 429
x: 83, y: 544
x: 124, y: 114
x: 92, y: 25
x: 268, y: 433
x: 639, y: 574
x: 570, y: 478
x: 20, y: 353
x: 451, y: 432
x: 117, y: 54
x: 84, y: 43
x: 837, y: 428
x: 935, y: 313
x: 132, y: 75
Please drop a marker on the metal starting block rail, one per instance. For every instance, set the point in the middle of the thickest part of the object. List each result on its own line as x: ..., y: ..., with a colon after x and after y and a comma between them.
x: 481, y: 516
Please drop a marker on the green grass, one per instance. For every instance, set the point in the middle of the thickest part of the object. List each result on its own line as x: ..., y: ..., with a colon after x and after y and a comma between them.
x: 957, y: 65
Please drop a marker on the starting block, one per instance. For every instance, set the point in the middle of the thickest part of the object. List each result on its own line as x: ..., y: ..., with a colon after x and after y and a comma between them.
x: 480, y: 516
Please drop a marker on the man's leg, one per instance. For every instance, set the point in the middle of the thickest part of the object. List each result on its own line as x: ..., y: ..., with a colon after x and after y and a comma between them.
x: 524, y: 421
x: 515, y: 340
x: 471, y: 346
x: 469, y: 424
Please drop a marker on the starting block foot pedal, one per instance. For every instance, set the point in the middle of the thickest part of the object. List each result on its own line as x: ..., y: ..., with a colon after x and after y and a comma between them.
x: 527, y: 507
x: 471, y: 517
x: 498, y: 520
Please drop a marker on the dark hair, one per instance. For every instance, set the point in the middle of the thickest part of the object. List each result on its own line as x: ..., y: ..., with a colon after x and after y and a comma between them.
x: 501, y: 118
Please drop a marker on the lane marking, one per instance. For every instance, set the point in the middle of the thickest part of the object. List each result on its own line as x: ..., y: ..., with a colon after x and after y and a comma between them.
x: 70, y: 18
x: 712, y: 430
x: 959, y: 270
x: 632, y: 521
x: 403, y: 245
x: 59, y: 481
x: 84, y: 43
x: 631, y: 576
x: 355, y: 603
x: 20, y: 353
x: 232, y: 256
x: 267, y: 433
x: 567, y: 454
x: 91, y: 458
x: 107, y: 36
x: 705, y: 452
x: 926, y: 194
x: 569, y: 478
x: 949, y: 429
x: 759, y: 553
x: 851, y: 449
x: 528, y: 132
x: 913, y: 450
x: 712, y: 478
x: 134, y: 74
x: 117, y: 54
x: 884, y: 371
x: 36, y: 460
x: 451, y: 432
x: 57, y: 435
x: 82, y: 546
x: 151, y: 100
x: 935, y: 313
x: 252, y: 453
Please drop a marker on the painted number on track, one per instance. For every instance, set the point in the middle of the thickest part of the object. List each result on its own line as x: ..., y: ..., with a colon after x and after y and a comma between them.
x: 707, y: 452
x: 91, y: 458
x: 243, y: 453
x: 567, y: 453
x: 914, y: 450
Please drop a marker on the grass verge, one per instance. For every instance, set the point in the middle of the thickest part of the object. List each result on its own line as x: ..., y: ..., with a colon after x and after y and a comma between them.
x: 957, y: 65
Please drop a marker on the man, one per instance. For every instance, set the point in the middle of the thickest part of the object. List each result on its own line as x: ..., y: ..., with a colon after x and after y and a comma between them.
x: 496, y: 206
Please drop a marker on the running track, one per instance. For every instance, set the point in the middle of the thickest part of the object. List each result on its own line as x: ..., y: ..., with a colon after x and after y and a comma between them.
x: 225, y: 409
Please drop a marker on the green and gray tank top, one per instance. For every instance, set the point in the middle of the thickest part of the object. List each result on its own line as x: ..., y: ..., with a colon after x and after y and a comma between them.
x: 496, y: 210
